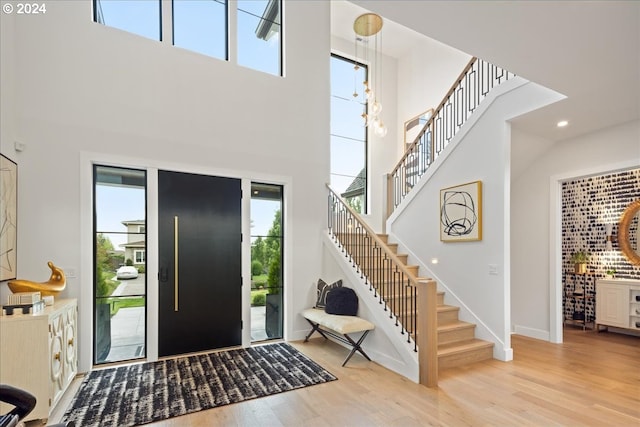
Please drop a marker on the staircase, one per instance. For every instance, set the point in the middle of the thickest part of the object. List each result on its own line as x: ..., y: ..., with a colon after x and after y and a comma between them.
x: 457, y: 344
x: 445, y: 341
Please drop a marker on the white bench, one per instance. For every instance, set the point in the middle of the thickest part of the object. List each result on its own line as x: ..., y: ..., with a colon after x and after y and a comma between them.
x: 339, y: 328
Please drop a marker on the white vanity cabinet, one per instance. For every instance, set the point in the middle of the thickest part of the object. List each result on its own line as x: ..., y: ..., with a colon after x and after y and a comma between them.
x: 38, y: 353
x: 618, y: 303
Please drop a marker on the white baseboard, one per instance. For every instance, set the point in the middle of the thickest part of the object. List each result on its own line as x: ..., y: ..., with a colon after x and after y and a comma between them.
x: 531, y: 332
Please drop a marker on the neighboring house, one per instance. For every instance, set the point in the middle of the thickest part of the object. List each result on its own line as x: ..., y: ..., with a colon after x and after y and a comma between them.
x: 76, y: 93
x: 136, y: 247
x: 354, y: 194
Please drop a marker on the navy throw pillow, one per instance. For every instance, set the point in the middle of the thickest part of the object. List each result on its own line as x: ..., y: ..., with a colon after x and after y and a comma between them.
x: 343, y: 301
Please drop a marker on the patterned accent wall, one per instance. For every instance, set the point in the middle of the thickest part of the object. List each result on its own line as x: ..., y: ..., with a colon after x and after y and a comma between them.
x: 587, y: 205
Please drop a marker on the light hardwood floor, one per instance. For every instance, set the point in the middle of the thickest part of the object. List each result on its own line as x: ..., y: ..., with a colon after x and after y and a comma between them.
x: 593, y: 379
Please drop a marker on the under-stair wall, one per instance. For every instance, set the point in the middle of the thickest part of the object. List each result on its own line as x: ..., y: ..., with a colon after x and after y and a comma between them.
x: 385, y: 345
x: 474, y: 275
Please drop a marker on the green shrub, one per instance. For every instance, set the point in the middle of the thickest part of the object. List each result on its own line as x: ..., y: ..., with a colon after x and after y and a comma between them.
x: 273, y: 279
x: 142, y: 269
x: 256, y: 268
x: 258, y: 299
x: 129, y: 262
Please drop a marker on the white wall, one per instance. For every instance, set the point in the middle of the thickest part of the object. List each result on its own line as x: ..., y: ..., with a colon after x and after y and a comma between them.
x: 385, y: 344
x: 481, y: 151
x: 412, y: 84
x: 534, y: 274
x: 425, y: 74
x: 84, y: 91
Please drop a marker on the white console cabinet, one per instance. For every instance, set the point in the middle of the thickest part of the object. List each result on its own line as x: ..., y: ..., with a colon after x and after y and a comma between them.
x: 618, y: 303
x: 38, y: 353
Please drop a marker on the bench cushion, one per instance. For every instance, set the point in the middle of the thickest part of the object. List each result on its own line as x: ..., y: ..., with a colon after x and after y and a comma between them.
x: 338, y: 323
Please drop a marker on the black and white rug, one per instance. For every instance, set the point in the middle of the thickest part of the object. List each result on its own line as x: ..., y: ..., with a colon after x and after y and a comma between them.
x: 143, y: 393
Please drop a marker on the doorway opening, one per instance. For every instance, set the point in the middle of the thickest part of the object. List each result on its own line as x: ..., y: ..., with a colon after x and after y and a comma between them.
x: 267, y: 248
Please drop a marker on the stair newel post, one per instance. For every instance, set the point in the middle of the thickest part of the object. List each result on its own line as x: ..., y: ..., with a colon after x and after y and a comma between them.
x: 427, y: 332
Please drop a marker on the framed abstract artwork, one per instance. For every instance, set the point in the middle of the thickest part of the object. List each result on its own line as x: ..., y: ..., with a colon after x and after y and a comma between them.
x: 461, y: 212
x: 8, y: 218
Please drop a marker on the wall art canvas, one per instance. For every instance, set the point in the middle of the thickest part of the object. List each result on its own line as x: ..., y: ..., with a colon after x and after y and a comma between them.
x: 8, y: 218
x: 461, y: 213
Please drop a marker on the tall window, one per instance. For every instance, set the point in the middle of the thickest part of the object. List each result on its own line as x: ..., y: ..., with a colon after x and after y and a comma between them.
x: 267, y: 243
x: 348, y: 134
x: 119, y: 258
x: 259, y: 35
x: 201, y: 26
x: 140, y: 17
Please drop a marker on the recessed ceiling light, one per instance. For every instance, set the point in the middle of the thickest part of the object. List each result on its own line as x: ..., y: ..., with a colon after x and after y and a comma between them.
x: 562, y: 123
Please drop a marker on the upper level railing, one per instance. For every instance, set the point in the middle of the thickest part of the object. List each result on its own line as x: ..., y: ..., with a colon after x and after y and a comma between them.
x: 470, y: 88
x: 391, y: 282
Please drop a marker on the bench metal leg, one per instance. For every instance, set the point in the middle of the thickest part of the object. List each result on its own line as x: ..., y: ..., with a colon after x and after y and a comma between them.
x: 316, y: 327
x: 356, y: 347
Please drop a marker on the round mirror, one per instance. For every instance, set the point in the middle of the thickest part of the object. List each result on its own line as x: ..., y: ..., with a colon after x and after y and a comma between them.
x: 629, y: 232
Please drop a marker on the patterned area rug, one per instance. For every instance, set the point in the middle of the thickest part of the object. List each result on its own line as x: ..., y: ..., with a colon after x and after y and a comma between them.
x: 139, y: 394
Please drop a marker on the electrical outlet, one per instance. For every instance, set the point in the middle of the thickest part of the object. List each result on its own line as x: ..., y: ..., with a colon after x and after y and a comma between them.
x: 493, y: 269
x: 70, y: 272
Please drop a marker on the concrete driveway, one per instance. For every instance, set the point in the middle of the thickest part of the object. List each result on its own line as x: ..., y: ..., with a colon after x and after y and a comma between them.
x: 130, y: 286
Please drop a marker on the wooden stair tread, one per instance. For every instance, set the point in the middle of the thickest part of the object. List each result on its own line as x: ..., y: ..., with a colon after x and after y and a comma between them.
x: 460, y: 324
x: 462, y: 347
x: 458, y: 345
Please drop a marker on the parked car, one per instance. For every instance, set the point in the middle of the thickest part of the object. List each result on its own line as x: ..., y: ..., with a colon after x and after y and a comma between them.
x: 126, y: 272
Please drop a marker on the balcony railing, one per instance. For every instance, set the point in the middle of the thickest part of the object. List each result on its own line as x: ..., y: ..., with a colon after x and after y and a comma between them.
x: 470, y: 88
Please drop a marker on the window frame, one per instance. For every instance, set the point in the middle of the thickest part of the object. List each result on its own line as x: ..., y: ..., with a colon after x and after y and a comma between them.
x: 227, y: 31
x: 280, y: 71
x: 365, y: 202
x: 94, y: 285
x: 97, y: 20
x: 231, y: 27
x: 143, y: 252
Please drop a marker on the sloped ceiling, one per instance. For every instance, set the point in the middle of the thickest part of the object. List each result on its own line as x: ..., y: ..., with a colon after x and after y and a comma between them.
x: 586, y: 50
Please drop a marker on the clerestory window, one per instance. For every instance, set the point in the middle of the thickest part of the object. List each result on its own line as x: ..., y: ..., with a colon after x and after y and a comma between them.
x: 205, y: 26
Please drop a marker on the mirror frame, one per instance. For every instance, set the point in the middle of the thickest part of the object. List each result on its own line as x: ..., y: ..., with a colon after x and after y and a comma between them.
x: 415, y: 121
x: 623, y: 232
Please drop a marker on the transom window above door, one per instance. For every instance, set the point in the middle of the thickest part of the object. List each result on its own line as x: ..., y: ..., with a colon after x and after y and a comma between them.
x: 248, y: 32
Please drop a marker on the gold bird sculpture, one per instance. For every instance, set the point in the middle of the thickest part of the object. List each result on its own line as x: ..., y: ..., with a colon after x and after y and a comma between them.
x: 51, y: 287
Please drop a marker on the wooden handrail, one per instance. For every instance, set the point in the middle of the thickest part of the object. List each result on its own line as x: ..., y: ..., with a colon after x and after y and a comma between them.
x: 434, y: 114
x: 421, y: 318
x: 394, y: 258
x: 468, y: 90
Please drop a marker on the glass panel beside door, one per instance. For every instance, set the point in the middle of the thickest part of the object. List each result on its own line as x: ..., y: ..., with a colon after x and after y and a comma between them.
x: 119, y: 285
x: 267, y: 238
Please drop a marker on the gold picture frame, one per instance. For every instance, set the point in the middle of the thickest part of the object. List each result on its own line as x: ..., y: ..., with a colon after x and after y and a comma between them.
x: 461, y: 212
x: 8, y: 218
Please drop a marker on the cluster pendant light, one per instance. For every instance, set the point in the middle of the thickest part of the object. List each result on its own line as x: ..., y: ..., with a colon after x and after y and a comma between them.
x: 368, y: 47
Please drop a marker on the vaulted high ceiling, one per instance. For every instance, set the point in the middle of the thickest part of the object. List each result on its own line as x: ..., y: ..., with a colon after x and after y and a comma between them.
x: 586, y: 50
